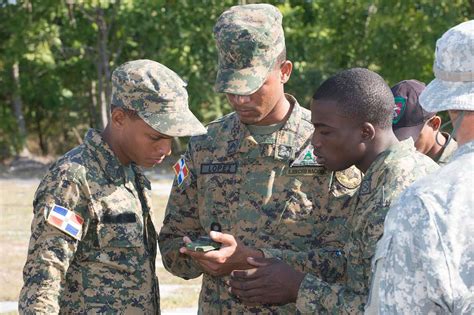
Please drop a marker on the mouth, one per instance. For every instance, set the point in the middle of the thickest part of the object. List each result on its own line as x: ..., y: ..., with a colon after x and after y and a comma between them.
x: 158, y: 160
x: 321, y: 160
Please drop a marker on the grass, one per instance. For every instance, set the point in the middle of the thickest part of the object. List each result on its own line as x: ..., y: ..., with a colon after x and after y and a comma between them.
x: 16, y: 197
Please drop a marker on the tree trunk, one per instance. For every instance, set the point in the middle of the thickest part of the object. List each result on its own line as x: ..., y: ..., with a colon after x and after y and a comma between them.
x: 103, y: 69
x: 93, y: 123
x: 18, y: 108
x: 39, y: 129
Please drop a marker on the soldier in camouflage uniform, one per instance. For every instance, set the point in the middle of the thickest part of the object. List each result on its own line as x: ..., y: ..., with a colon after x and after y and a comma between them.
x: 93, y: 244
x: 424, y: 261
x: 410, y: 120
x: 352, y: 115
x: 254, y: 172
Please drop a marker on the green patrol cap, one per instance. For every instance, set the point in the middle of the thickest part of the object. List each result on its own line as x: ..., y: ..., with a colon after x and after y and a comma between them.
x: 249, y: 40
x: 158, y: 95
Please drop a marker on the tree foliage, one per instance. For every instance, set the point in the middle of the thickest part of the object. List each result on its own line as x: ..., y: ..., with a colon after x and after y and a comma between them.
x: 66, y: 50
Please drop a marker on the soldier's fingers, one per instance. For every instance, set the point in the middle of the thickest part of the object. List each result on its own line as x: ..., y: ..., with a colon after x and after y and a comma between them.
x: 225, y: 239
x: 259, y: 262
x: 186, y: 240
x: 253, y: 295
x: 246, y: 274
x: 240, y: 285
x: 197, y: 255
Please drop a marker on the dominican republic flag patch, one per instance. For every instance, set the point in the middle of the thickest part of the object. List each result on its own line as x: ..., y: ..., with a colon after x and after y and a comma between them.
x: 181, y: 171
x: 66, y: 220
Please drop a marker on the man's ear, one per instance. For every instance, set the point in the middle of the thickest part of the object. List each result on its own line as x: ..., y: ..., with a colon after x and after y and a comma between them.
x: 435, y: 122
x: 367, y: 132
x: 118, y: 118
x: 285, y: 71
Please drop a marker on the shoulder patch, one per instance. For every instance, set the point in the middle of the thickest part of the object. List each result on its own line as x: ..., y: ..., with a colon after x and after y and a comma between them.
x: 399, y: 110
x: 181, y: 170
x: 349, y: 178
x: 66, y: 220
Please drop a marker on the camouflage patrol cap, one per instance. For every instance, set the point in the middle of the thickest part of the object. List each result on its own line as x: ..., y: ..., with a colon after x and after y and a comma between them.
x: 158, y: 95
x: 249, y: 40
x: 453, y: 87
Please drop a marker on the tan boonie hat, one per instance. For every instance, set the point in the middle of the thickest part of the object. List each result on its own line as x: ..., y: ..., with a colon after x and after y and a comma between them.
x: 249, y: 40
x: 453, y: 87
x: 158, y: 95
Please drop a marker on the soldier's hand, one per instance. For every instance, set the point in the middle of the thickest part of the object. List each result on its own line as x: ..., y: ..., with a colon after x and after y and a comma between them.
x: 272, y: 282
x: 232, y: 255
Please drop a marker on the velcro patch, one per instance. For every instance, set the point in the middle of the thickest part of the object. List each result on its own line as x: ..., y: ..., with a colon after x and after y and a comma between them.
x: 66, y: 220
x: 128, y: 217
x: 219, y: 168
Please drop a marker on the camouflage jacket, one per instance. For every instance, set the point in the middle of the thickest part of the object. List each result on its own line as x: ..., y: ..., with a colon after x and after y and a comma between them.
x: 392, y: 171
x: 424, y: 261
x: 110, y: 267
x: 251, y: 190
x: 448, y: 151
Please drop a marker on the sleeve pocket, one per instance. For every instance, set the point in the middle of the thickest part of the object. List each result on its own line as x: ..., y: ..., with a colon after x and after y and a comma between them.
x: 383, y: 245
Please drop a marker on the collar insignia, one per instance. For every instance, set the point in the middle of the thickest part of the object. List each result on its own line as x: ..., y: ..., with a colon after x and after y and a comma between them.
x: 306, y: 158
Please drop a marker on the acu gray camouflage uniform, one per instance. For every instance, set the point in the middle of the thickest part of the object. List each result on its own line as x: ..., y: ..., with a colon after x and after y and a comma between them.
x: 393, y: 171
x: 425, y: 260
x: 430, y: 271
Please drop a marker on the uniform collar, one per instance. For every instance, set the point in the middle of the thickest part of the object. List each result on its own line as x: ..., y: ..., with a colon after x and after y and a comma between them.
x: 284, y: 147
x: 466, y: 148
x: 394, y: 151
x: 105, y: 157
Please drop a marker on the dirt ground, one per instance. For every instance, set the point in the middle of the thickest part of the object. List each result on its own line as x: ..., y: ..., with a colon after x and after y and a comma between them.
x: 16, y: 196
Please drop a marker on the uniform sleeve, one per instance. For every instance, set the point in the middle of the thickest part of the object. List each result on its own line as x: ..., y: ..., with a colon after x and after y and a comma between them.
x: 50, y: 250
x: 316, y: 296
x: 326, y: 263
x: 181, y: 219
x: 414, y: 275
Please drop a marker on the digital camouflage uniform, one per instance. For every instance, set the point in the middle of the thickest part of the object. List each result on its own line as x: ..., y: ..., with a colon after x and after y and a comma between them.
x: 392, y: 171
x: 424, y: 263
x: 430, y: 271
x: 108, y: 264
x: 112, y: 266
x: 249, y: 188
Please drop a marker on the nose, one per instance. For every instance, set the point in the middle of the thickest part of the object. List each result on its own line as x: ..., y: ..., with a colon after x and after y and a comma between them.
x: 164, y: 148
x: 238, y: 99
x: 315, y: 142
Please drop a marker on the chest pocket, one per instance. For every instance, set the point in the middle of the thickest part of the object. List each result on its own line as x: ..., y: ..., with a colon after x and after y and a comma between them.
x: 122, y: 230
x: 218, y: 192
x: 119, y: 228
x: 289, y: 212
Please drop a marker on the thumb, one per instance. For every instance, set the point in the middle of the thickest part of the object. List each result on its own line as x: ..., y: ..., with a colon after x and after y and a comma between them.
x: 225, y: 239
x: 258, y: 262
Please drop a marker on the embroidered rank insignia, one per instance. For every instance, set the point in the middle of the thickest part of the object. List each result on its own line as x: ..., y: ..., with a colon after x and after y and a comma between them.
x: 66, y: 220
x: 306, y: 158
x: 181, y: 171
